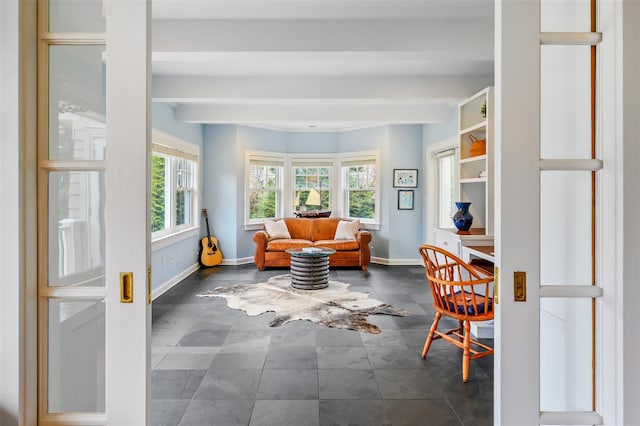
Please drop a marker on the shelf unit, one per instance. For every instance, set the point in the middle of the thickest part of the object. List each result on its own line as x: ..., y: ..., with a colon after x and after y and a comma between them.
x: 476, y: 172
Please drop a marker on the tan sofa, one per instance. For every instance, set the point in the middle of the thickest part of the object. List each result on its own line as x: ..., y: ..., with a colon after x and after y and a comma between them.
x: 319, y: 232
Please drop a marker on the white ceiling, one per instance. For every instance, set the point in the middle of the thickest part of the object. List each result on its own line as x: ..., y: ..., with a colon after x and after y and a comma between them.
x: 320, y: 65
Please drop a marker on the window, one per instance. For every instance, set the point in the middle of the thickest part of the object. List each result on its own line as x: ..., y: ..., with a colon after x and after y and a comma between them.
x: 446, y: 187
x: 279, y: 184
x: 360, y: 188
x: 265, y: 187
x: 312, y: 185
x: 173, y: 186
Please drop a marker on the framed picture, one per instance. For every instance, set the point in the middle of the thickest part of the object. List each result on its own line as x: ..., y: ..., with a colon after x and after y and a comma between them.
x: 405, y: 178
x: 405, y: 199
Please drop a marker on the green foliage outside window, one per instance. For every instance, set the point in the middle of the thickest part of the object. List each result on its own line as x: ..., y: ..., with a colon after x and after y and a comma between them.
x: 362, y: 194
x: 263, y: 185
x: 158, y: 166
x: 362, y: 204
x: 182, y: 205
x: 262, y: 204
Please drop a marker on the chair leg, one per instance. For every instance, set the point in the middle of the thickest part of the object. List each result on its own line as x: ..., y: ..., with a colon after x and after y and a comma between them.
x: 465, y: 351
x: 432, y: 331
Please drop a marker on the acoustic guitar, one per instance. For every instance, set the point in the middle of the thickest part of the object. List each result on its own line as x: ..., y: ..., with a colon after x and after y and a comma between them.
x: 210, y: 254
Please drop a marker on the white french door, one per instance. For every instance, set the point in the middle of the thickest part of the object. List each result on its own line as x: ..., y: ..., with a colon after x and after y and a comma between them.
x: 553, y: 224
x: 94, y: 232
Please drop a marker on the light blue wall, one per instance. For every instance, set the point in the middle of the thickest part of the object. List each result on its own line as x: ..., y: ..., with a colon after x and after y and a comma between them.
x: 437, y: 132
x: 224, y: 149
x: 405, y: 226
x: 223, y: 186
x: 320, y: 143
x: 168, y: 262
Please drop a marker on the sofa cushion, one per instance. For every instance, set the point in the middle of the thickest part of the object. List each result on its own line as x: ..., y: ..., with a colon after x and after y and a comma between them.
x: 284, y: 244
x: 300, y: 228
x: 346, y: 230
x: 276, y: 229
x: 324, y: 228
x: 338, y: 245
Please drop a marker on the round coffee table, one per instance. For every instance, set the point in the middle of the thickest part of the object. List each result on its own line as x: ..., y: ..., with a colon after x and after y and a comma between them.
x: 310, y: 269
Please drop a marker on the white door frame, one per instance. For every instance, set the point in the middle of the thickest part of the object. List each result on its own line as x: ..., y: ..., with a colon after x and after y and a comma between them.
x: 626, y: 122
x: 18, y: 260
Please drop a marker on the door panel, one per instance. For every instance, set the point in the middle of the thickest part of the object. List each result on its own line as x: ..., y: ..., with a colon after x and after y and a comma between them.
x: 93, y: 189
x: 546, y: 204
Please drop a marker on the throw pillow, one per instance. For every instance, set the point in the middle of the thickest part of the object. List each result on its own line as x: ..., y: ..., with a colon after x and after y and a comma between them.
x: 347, y: 229
x: 276, y: 229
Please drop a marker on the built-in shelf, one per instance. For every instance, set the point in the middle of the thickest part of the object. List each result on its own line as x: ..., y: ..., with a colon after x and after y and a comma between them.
x: 475, y: 172
x: 474, y: 128
x: 474, y: 180
x: 473, y: 159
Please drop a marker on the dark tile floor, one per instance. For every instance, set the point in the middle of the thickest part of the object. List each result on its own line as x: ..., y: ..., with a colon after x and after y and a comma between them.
x: 213, y: 365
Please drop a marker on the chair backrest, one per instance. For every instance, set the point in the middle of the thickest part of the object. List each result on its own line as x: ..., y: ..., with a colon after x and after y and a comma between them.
x: 459, y: 290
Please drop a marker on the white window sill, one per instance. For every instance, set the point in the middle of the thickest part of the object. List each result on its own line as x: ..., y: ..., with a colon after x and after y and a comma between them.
x: 370, y: 226
x: 167, y: 240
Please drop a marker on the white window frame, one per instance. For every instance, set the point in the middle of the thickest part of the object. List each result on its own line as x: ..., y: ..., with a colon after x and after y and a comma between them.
x: 311, y: 160
x: 365, y: 156
x: 454, y: 154
x: 170, y: 147
x: 431, y: 167
x: 278, y: 160
x: 339, y: 191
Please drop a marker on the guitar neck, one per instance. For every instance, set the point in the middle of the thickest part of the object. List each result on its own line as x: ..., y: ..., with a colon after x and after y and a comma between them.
x: 206, y: 219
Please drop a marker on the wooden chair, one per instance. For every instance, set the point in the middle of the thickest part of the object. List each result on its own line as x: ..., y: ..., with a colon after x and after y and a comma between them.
x: 460, y: 291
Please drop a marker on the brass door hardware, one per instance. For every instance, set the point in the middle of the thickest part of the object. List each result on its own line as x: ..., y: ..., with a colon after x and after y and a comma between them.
x: 126, y: 287
x: 520, y: 286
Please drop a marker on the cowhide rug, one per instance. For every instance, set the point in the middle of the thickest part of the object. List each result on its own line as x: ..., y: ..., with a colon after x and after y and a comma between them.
x: 334, y: 306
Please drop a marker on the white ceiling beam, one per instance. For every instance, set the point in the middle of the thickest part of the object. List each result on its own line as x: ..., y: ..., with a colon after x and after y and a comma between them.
x: 230, y: 89
x: 457, y: 35
x: 311, y: 113
x: 323, y: 9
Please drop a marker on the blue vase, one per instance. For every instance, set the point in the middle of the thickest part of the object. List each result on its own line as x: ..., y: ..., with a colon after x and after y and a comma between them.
x: 462, y: 219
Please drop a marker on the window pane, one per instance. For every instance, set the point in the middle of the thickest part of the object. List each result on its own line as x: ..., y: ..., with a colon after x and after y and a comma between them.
x: 76, y: 228
x: 565, y: 246
x: 565, y: 354
x: 312, y: 188
x: 183, y: 207
x: 564, y: 15
x: 446, y: 190
x: 565, y: 102
x: 362, y: 204
x: 76, y: 356
x: 158, y: 193
x: 76, y: 16
x: 262, y: 204
x: 361, y: 194
x: 76, y: 103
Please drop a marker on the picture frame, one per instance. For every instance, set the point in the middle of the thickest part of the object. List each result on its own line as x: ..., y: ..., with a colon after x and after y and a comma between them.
x: 405, y: 178
x: 405, y: 199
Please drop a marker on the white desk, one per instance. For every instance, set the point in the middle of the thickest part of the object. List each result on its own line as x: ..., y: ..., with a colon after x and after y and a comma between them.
x: 484, y: 329
x: 477, y: 252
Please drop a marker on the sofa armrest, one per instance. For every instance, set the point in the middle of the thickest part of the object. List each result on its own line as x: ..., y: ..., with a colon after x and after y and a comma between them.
x: 261, y: 239
x: 364, y: 238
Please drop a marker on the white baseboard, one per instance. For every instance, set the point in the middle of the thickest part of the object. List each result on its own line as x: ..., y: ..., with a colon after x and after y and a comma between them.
x: 173, y: 281
x: 240, y: 261
x: 396, y: 262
